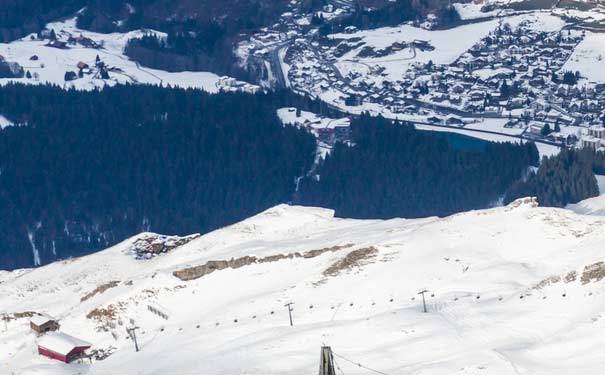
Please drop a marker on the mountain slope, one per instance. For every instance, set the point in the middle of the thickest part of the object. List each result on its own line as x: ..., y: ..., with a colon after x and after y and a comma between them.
x: 509, y: 292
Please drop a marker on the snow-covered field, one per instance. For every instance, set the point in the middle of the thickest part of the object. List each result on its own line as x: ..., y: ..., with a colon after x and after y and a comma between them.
x: 472, y: 10
x: 588, y: 57
x: 509, y: 293
x: 309, y: 119
x: 52, y: 63
x: 592, y: 206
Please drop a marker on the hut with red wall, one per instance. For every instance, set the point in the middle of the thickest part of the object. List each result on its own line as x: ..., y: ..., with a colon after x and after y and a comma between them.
x: 62, y: 347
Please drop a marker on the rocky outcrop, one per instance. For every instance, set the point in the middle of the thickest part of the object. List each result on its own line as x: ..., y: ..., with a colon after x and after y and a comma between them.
x: 100, y: 289
x: 355, y: 258
x: 149, y: 245
x: 196, y: 272
x: 593, y: 272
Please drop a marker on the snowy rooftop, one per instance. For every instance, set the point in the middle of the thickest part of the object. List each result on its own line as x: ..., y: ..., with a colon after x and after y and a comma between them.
x: 41, y: 319
x: 61, y: 343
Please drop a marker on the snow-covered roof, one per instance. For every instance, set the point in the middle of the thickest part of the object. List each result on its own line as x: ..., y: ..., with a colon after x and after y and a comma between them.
x: 41, y: 319
x: 61, y: 343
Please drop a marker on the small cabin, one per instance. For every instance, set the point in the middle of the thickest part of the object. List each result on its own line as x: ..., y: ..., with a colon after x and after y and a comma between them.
x: 43, y: 323
x: 62, y: 347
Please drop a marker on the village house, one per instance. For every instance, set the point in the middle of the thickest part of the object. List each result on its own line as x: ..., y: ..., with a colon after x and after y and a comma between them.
x: 597, y: 132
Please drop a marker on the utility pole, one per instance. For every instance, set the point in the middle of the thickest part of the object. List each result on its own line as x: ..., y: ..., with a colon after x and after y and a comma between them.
x: 289, y: 306
x: 326, y: 361
x: 133, y: 336
x: 423, y: 300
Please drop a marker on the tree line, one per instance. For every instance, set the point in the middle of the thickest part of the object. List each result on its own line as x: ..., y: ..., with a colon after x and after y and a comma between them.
x: 392, y: 170
x: 568, y: 177
x: 85, y: 170
x: 81, y: 171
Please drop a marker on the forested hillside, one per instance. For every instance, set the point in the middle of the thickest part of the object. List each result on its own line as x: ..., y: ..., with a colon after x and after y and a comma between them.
x: 83, y: 170
x: 393, y: 170
x: 20, y: 17
x: 562, y: 179
x: 88, y: 169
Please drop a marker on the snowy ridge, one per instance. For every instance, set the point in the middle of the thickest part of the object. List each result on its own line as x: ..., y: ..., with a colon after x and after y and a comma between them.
x: 502, y: 299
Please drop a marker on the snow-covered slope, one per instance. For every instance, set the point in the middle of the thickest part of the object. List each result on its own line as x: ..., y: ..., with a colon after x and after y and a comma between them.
x: 49, y: 64
x: 508, y: 294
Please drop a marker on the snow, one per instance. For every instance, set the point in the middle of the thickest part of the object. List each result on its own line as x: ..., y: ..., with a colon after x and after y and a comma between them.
x: 471, y: 11
x: 486, y: 74
x: 52, y: 62
x: 4, y: 122
x: 592, y: 206
x: 486, y: 312
x: 495, y: 125
x: 587, y: 58
x: 61, y: 343
x: 41, y: 319
x: 470, y: 133
x: 309, y: 119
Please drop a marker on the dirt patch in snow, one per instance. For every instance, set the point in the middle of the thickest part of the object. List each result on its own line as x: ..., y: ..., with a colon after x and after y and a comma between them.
x: 569, y: 277
x: 19, y: 315
x: 196, y: 272
x: 106, y: 316
x: 100, y: 289
x: 548, y: 281
x: 355, y: 258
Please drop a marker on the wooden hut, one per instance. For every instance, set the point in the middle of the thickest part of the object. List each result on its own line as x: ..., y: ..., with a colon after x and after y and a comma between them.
x: 62, y: 347
x: 42, y: 323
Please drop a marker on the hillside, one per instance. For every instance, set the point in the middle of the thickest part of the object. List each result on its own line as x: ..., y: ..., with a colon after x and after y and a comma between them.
x: 514, y: 289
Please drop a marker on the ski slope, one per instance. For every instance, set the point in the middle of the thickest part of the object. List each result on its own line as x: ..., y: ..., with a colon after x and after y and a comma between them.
x: 52, y: 63
x: 508, y: 294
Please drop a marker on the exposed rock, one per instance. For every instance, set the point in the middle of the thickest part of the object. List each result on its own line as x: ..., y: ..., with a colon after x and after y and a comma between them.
x: 18, y: 315
x: 571, y: 276
x: 100, y: 289
x: 528, y: 201
x: 149, y: 245
x: 593, y: 272
x: 355, y: 258
x: 196, y: 272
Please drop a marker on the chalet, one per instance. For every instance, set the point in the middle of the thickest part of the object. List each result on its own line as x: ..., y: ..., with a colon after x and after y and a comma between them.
x: 43, y: 323
x: 57, y: 44
x: 342, y: 132
x: 82, y: 65
x: 454, y: 120
x: 326, y: 134
x: 597, y: 131
x: 591, y: 143
x: 434, y: 120
x: 476, y: 95
x: 536, y: 129
x: 62, y: 347
x: 353, y: 100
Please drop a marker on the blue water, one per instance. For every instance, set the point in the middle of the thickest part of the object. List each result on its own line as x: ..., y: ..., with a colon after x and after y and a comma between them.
x: 463, y: 142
